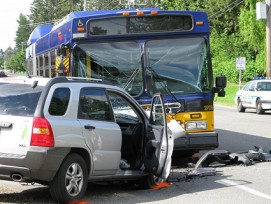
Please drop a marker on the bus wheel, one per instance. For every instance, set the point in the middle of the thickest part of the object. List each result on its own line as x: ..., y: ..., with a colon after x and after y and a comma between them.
x: 70, y: 182
x: 150, y: 181
x: 240, y: 106
x: 259, y: 109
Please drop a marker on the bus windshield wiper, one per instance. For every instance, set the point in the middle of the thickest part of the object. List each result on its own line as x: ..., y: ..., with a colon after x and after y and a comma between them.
x: 163, y: 84
x: 131, y: 78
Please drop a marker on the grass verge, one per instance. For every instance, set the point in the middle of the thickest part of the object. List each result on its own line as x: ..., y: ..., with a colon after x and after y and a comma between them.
x: 228, y: 100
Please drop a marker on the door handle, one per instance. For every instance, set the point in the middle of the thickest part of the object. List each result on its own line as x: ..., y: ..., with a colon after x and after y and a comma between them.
x: 89, y: 127
x: 5, y: 124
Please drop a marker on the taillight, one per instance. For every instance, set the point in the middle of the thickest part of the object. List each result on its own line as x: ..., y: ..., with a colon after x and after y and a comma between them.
x: 42, y: 134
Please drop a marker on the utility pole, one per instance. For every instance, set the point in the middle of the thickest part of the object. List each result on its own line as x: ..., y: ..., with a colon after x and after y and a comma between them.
x: 85, y: 5
x: 268, y: 40
x: 23, y: 43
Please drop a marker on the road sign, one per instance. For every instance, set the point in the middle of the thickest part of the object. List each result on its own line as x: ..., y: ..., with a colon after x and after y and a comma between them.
x: 241, y: 63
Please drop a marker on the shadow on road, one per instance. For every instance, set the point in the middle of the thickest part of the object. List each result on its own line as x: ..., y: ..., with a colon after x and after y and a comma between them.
x: 37, y: 195
x: 238, y: 142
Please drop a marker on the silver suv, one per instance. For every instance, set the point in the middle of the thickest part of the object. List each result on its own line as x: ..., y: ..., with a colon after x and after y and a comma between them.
x: 66, y: 132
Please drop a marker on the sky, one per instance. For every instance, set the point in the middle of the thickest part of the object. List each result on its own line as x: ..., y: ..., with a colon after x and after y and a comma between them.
x: 9, y: 14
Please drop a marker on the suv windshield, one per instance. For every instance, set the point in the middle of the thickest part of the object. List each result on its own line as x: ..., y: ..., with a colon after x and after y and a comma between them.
x: 18, y: 99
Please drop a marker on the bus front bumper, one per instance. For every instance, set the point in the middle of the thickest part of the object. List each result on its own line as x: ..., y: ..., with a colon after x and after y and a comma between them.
x: 197, y: 141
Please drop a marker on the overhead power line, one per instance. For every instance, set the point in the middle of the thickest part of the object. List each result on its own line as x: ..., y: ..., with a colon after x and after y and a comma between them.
x: 226, y: 9
x: 215, y: 15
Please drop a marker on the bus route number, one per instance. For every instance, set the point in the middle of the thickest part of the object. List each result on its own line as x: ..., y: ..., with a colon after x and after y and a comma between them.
x: 208, y: 108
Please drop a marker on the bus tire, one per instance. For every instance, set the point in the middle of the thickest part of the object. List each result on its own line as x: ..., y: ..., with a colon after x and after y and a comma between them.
x: 70, y: 182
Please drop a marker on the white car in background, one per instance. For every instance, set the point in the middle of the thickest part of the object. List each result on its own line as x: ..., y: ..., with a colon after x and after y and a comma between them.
x: 256, y: 94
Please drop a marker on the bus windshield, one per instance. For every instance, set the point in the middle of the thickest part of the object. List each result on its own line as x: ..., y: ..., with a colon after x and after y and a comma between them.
x: 118, y: 63
x: 178, y: 65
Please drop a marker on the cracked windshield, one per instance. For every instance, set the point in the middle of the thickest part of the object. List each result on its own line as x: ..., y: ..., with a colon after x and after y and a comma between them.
x: 178, y: 65
x: 115, y: 62
x: 175, y: 65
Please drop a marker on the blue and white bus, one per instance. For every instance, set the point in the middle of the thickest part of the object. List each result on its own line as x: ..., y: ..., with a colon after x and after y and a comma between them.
x: 144, y: 51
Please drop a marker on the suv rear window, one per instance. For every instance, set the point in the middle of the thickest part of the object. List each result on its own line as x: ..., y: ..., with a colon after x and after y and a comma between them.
x: 18, y: 99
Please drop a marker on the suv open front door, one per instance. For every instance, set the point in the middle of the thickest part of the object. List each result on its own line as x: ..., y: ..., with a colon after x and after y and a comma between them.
x: 159, y: 143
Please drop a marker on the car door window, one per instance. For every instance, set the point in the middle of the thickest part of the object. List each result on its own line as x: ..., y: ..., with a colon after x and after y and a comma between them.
x: 247, y: 86
x: 253, y: 86
x: 157, y: 116
x: 122, y: 109
x: 93, y: 105
x: 268, y: 86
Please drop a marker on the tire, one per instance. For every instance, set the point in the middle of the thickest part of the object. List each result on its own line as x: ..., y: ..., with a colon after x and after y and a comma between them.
x: 70, y: 182
x: 259, y: 109
x: 150, y: 181
x: 240, y: 106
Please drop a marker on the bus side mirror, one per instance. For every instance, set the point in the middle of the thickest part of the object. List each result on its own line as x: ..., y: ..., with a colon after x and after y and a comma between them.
x: 61, y: 50
x: 220, y: 84
x: 221, y: 81
x: 58, y: 51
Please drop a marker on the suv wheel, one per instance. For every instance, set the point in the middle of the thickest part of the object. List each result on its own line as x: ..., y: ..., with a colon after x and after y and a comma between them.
x: 240, y: 106
x: 70, y: 182
x: 259, y: 109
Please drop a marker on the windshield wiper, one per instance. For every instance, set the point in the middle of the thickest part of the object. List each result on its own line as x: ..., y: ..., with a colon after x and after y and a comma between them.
x: 132, y: 78
x: 163, y: 84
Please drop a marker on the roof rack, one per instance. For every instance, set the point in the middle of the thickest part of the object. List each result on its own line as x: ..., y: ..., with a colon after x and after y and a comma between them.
x: 85, y: 79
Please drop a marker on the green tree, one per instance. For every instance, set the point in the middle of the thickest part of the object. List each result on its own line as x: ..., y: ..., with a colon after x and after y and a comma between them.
x: 2, y: 54
x: 50, y: 11
x: 252, y: 32
x: 182, y: 5
x: 23, y: 32
x: 17, y: 62
x: 9, y: 52
x: 223, y: 15
x: 103, y: 4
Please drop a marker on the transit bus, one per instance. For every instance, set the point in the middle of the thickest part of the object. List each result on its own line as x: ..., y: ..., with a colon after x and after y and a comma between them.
x: 144, y: 51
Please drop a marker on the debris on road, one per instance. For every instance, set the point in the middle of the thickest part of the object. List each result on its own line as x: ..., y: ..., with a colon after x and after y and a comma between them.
x: 207, y: 171
x: 162, y: 185
x: 223, y: 157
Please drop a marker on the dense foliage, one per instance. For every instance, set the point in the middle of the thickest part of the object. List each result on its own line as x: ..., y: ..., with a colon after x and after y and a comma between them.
x: 235, y: 32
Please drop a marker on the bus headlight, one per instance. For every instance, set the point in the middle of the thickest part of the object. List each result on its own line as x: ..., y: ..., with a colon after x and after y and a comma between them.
x: 196, y: 125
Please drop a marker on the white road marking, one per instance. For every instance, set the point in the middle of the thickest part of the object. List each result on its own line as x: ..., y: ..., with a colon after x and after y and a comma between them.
x: 247, y: 189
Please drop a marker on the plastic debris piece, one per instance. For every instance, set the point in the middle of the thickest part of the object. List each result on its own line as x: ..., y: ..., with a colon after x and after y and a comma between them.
x: 205, y: 171
x: 211, y: 156
x: 265, y: 151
